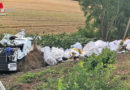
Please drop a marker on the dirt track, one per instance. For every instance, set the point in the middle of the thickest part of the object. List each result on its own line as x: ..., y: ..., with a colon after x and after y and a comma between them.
x: 49, y: 16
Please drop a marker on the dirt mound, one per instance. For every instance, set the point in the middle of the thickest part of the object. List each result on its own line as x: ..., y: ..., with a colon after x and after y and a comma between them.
x: 33, y: 60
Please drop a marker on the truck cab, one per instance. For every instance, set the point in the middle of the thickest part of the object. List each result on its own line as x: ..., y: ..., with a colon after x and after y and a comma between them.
x: 13, y: 49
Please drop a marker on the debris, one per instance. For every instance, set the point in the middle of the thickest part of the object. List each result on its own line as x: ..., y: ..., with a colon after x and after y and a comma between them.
x: 114, y: 45
x: 57, y: 53
x: 89, y: 48
x: 48, y: 58
x: 126, y: 42
x: 101, y: 44
x: 2, y: 86
x: 67, y: 54
x: 128, y: 47
x: 13, y: 49
x: 28, y: 57
x: 33, y: 60
x: 77, y: 45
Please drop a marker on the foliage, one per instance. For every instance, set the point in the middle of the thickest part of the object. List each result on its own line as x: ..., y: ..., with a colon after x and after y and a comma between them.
x: 93, y: 74
x: 1, y: 36
x: 63, y: 40
x: 30, y: 77
x: 108, y: 17
x: 84, y: 32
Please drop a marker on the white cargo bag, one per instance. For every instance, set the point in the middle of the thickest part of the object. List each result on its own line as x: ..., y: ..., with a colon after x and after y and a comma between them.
x: 77, y: 45
x: 57, y: 53
x: 128, y: 46
x: 100, y: 44
x: 48, y: 56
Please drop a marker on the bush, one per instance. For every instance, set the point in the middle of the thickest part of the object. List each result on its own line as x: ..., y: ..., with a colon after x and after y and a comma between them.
x: 63, y: 40
x: 93, y: 73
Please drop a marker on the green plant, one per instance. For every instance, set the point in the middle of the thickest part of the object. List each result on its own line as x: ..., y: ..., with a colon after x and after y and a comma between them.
x: 108, y: 17
x: 63, y: 40
x: 1, y: 36
x: 28, y: 78
x: 93, y: 73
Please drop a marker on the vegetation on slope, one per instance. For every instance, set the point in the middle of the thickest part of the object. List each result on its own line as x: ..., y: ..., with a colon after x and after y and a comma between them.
x: 95, y: 72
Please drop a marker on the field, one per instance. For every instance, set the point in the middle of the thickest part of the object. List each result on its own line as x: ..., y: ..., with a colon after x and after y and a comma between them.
x: 48, y: 16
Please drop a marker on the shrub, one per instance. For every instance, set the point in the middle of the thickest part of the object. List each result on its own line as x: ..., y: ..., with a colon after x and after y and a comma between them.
x: 63, y: 40
x: 93, y: 73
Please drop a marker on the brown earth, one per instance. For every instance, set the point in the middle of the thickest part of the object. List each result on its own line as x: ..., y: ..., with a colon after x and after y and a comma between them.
x: 123, y: 67
x: 33, y: 60
x: 38, y: 16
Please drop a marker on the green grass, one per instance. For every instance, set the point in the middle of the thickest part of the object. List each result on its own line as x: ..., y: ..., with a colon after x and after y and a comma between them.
x: 43, y: 77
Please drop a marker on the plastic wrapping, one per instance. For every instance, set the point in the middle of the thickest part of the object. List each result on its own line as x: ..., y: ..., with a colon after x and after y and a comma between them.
x: 114, y: 45
x: 128, y: 47
x: 77, y: 45
x: 127, y: 42
x: 48, y: 56
x: 101, y: 44
x: 67, y: 53
x: 57, y: 53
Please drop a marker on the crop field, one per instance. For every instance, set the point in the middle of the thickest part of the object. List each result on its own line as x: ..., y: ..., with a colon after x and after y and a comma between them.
x: 48, y: 16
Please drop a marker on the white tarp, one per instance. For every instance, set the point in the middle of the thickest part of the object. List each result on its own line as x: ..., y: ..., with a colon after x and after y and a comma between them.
x: 57, y: 53
x: 90, y: 48
x: 114, y: 45
x: 101, y: 44
x: 48, y: 56
x: 52, y: 56
x: 127, y: 42
x: 67, y: 53
x: 128, y: 46
x: 77, y: 45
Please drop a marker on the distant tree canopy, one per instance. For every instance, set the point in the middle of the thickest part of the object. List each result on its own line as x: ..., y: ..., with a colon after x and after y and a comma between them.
x: 108, y: 17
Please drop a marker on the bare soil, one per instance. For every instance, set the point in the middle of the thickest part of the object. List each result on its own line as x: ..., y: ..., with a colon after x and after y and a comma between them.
x: 33, y: 60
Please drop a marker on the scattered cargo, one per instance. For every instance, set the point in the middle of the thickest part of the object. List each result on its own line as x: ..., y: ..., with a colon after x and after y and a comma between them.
x: 17, y: 52
x: 13, y: 49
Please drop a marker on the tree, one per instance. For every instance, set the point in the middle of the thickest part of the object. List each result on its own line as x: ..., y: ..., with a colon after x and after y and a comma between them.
x: 109, y: 17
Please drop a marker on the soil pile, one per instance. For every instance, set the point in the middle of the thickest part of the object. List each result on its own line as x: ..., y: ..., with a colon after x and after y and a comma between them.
x: 33, y: 60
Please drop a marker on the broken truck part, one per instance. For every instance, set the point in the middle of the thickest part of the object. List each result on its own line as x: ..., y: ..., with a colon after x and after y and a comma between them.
x: 13, y: 49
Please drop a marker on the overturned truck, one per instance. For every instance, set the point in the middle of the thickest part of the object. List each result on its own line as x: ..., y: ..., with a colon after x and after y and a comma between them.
x: 13, y: 49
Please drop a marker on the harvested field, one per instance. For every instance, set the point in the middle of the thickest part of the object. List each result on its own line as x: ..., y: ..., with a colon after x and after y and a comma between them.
x: 49, y: 16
